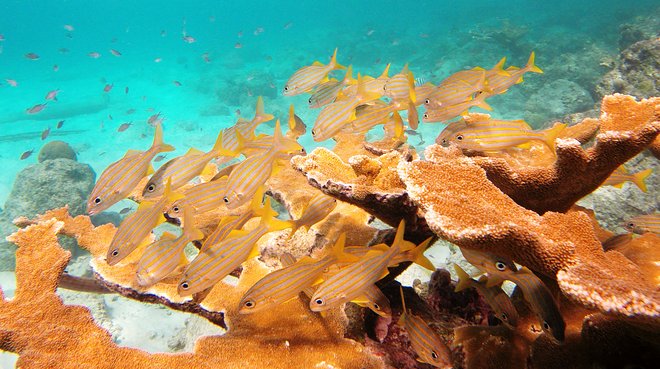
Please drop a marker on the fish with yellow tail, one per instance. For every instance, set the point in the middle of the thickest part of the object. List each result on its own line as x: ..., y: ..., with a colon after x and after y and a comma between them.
x: 375, y: 300
x: 448, y: 112
x: 285, y: 284
x: 621, y: 176
x: 456, y: 89
x: 644, y: 223
x: 534, y: 290
x: 137, y: 226
x: 499, y: 83
x: 308, y: 77
x: 450, y: 131
x: 297, y: 127
x: 253, y: 172
x: 425, y: 341
x: 167, y: 254
x: 121, y: 177
x: 201, y: 198
x: 318, y: 207
x: 350, y: 282
x: 501, y: 135
x: 498, y: 300
x: 401, y: 86
x: 231, y: 136
x: 183, y: 169
x: 211, y: 265
x: 325, y: 93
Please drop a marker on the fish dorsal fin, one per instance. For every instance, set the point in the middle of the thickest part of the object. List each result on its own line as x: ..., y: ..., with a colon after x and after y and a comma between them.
x: 150, y: 169
x: 463, y: 279
x: 168, y: 236
x: 145, y: 205
x: 131, y: 152
x: 317, y: 63
x: 193, y: 151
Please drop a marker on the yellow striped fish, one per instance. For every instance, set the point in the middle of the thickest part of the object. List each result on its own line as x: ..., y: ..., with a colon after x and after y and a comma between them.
x: 244, y: 128
x: 351, y: 281
x: 213, y: 264
x: 120, y: 178
x: 368, y: 116
x: 425, y: 341
x: 306, y: 78
x: 182, y: 169
x: 137, y: 226
x: 499, y: 83
x: 401, y: 86
x: 285, y: 284
x: 376, y: 85
x: 644, y: 223
x: 444, y: 138
x: 318, y: 207
x: 448, y: 112
x: 423, y: 92
x: 536, y: 293
x: 621, y: 175
x: 498, y: 300
x: 325, y: 93
x: 253, y: 172
x: 454, y: 91
x: 163, y: 257
x: 409, y: 252
x: 200, y: 198
x: 502, y: 135
x: 335, y: 116
x: 374, y: 299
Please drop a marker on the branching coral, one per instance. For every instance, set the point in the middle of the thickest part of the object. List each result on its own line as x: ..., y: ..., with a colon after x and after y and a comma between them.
x: 46, y: 333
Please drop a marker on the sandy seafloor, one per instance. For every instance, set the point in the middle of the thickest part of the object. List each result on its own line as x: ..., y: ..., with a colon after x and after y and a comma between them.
x: 437, y: 38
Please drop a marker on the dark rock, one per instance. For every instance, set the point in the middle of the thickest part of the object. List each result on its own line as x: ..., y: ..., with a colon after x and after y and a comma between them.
x: 56, y: 150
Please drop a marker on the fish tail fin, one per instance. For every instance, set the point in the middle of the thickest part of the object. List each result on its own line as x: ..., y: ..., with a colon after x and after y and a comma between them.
x: 219, y: 147
x: 639, y: 177
x: 292, y: 118
x: 348, y: 78
x: 337, y: 250
x: 419, y: 258
x: 411, y: 86
x: 550, y: 135
x: 260, y: 116
x: 333, y: 61
x: 169, y: 193
x: 413, y: 116
x: 499, y: 67
x: 398, y: 237
x: 398, y: 126
x: 463, y: 279
x: 530, y: 64
x: 269, y: 220
x: 189, y: 229
x: 158, y: 140
x: 481, y: 103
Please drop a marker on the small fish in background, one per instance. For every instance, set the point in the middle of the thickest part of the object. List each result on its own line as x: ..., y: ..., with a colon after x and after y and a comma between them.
x: 159, y: 158
x: 188, y: 39
x: 11, y: 82
x: 2, y: 37
x: 27, y: 154
x: 63, y: 50
x: 110, y: 116
x: 644, y: 223
x: 163, y: 33
x: 130, y: 111
x: 94, y: 55
x: 32, y: 56
x: 158, y: 60
x: 212, y: 18
x: 52, y: 95
x: 59, y: 124
x: 177, y: 83
x: 288, y: 25
x: 69, y: 35
x: 69, y: 27
x: 124, y: 126
x: 45, y: 133
x: 126, y: 90
x: 35, y: 109
x: 108, y: 87
x: 155, y: 119
x: 258, y: 31
x: 238, y: 45
x: 115, y: 52
x: 621, y: 176
x: 125, y: 210
x: 56, y: 68
x: 206, y: 57
x: 370, y: 32
x: 239, y: 34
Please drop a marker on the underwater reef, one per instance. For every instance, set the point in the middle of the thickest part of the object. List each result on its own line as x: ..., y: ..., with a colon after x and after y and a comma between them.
x: 296, y: 256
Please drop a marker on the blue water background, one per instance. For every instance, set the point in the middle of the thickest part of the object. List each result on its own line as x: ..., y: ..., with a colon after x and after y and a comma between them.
x: 437, y: 38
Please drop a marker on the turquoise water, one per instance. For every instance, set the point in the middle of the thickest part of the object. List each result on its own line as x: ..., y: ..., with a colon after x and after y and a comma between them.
x: 435, y: 37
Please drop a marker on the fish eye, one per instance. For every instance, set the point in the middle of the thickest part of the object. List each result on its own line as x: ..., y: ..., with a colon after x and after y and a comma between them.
x: 434, y: 355
x: 376, y: 306
x: 459, y: 137
x: 504, y: 317
x: 226, y: 199
x: 115, y: 252
x: 546, y: 326
x: 175, y: 209
x: 97, y: 200
x: 185, y: 285
x: 500, y: 266
x: 319, y: 302
x: 631, y: 225
x: 444, y: 142
x: 249, y: 304
x: 426, y: 116
x: 427, y: 101
x: 313, y: 133
x: 286, y: 88
x: 151, y: 188
x: 310, y: 101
